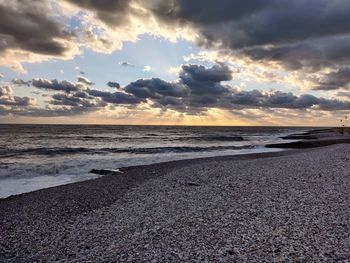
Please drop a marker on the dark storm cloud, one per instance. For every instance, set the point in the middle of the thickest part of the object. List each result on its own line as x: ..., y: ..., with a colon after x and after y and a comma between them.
x: 200, y: 88
x: 81, y: 94
x: 239, y: 23
x: 112, y: 84
x: 63, y: 99
x: 206, y: 12
x: 201, y: 80
x: 216, y: 73
x: 112, y: 12
x: 278, y: 99
x: 116, y: 97
x: 269, y: 100
x: 335, y: 80
x: 197, y: 82
x: 297, y: 34
x: 54, y: 84
x: 26, y: 25
x: 154, y: 88
x: 76, y: 101
x: 332, y: 105
x: 312, y: 54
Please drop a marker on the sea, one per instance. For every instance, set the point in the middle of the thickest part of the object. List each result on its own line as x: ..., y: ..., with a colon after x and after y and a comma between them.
x: 33, y: 157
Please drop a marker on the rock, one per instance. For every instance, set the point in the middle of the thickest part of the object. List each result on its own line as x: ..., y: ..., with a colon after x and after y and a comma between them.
x: 104, y: 172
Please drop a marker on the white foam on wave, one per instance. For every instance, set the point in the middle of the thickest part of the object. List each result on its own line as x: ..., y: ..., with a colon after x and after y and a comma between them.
x: 13, y: 186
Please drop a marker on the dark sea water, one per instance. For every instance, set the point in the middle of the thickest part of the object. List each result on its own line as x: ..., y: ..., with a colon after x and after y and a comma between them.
x: 39, y: 156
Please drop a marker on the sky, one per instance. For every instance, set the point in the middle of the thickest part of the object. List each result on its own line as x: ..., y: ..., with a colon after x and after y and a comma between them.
x: 175, y: 62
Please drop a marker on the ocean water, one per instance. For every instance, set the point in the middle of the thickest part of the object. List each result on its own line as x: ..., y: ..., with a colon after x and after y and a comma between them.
x: 39, y: 156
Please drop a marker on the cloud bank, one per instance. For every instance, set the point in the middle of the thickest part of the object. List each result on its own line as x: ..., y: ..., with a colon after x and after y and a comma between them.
x: 197, y: 90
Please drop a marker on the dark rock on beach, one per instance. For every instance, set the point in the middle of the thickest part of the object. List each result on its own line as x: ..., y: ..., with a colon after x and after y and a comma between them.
x: 104, y: 172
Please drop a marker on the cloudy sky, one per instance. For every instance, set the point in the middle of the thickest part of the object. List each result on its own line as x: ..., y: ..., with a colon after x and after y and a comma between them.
x: 199, y: 62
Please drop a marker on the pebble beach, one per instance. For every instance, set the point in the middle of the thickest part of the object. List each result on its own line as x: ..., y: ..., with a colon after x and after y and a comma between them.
x: 292, y: 206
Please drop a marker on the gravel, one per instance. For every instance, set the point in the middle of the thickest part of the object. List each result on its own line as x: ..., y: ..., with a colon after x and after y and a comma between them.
x: 287, y: 207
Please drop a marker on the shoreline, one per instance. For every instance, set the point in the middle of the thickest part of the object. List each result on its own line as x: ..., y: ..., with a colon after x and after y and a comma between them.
x: 99, y: 173
x: 310, y: 139
x: 44, y: 164
x: 139, y: 171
